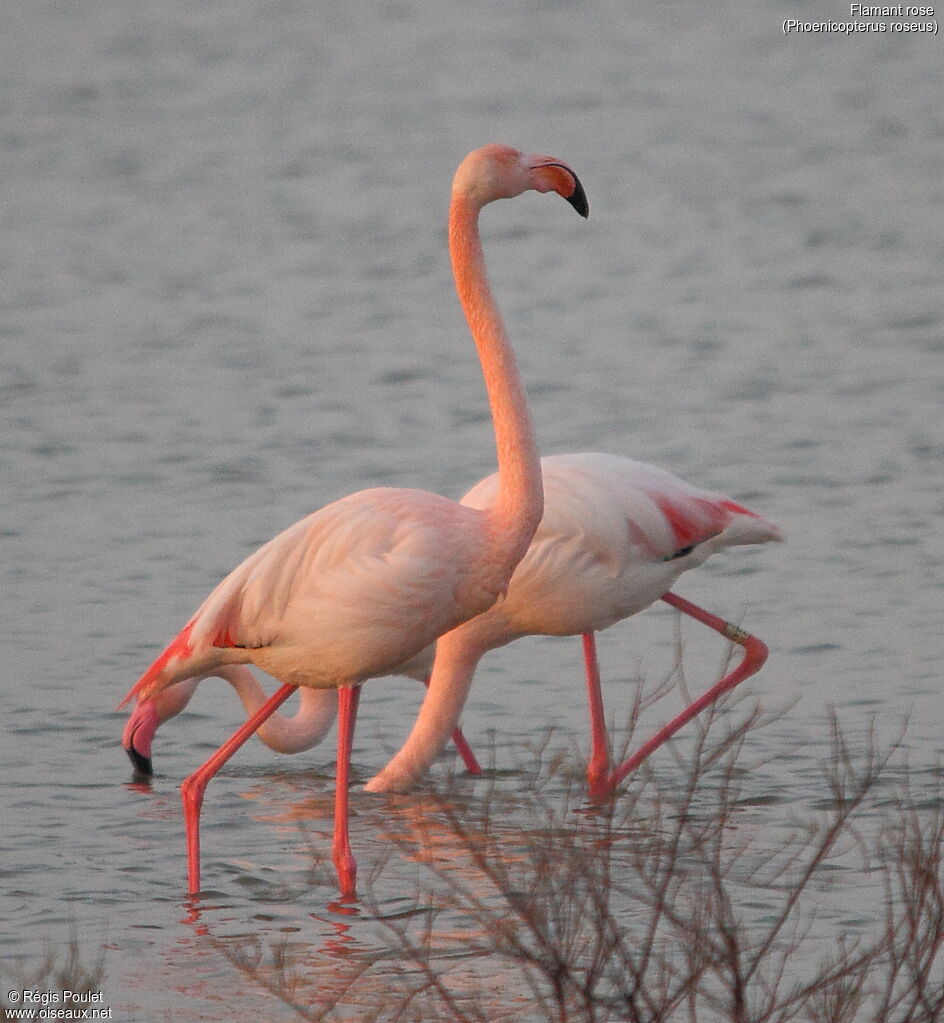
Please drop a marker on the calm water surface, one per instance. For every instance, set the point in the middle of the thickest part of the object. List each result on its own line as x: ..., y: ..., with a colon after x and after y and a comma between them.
x: 225, y: 300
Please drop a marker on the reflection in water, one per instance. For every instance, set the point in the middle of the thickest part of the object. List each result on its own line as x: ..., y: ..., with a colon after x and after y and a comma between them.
x: 499, y: 897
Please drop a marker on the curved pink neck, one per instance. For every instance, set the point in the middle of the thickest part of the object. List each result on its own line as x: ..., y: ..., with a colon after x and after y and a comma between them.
x: 514, y: 516
x: 296, y: 734
x: 520, y: 503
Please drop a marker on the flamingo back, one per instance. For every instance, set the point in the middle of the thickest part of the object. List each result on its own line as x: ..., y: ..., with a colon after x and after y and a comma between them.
x: 615, y: 536
x: 345, y: 594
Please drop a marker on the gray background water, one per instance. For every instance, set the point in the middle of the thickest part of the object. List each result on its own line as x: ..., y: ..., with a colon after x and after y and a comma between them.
x: 225, y: 300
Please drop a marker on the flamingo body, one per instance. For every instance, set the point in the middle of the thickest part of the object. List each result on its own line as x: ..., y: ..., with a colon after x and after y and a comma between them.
x: 296, y: 607
x: 615, y: 536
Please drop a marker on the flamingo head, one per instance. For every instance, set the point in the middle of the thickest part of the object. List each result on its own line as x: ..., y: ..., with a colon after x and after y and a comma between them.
x: 149, y: 714
x: 500, y: 172
x: 139, y: 732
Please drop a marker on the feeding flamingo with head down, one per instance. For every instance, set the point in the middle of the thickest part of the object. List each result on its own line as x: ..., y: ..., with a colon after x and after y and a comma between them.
x: 366, y: 582
x: 615, y: 536
x: 281, y: 733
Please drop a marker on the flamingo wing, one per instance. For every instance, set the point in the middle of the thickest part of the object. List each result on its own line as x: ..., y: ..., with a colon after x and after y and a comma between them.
x: 296, y: 606
x: 615, y: 536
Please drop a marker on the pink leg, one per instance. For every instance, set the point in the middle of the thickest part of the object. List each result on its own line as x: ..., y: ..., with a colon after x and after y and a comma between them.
x: 599, y: 766
x: 465, y: 751
x: 755, y: 654
x: 462, y: 746
x: 192, y: 789
x: 346, y: 866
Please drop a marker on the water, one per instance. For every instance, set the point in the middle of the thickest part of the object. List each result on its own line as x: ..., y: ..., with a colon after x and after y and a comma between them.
x: 225, y: 301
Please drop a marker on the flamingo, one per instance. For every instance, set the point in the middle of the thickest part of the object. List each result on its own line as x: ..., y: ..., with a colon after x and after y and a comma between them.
x: 615, y: 536
x: 359, y: 586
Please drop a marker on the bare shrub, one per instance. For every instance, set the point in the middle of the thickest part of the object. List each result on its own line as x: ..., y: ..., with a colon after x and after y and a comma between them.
x: 664, y: 907
x: 689, y: 898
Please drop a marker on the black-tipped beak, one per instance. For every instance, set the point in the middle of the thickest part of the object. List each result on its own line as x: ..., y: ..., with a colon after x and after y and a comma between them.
x: 557, y: 182
x: 578, y: 198
x: 142, y: 764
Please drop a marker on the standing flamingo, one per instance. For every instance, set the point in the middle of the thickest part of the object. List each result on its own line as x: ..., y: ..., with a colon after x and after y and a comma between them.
x: 615, y: 536
x: 366, y: 582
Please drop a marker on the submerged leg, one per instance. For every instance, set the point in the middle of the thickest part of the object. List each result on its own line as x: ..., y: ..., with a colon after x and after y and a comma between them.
x: 344, y: 862
x: 192, y: 789
x: 598, y: 767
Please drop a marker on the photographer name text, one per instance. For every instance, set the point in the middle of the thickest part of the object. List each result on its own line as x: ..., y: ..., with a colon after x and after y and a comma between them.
x: 35, y: 1004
